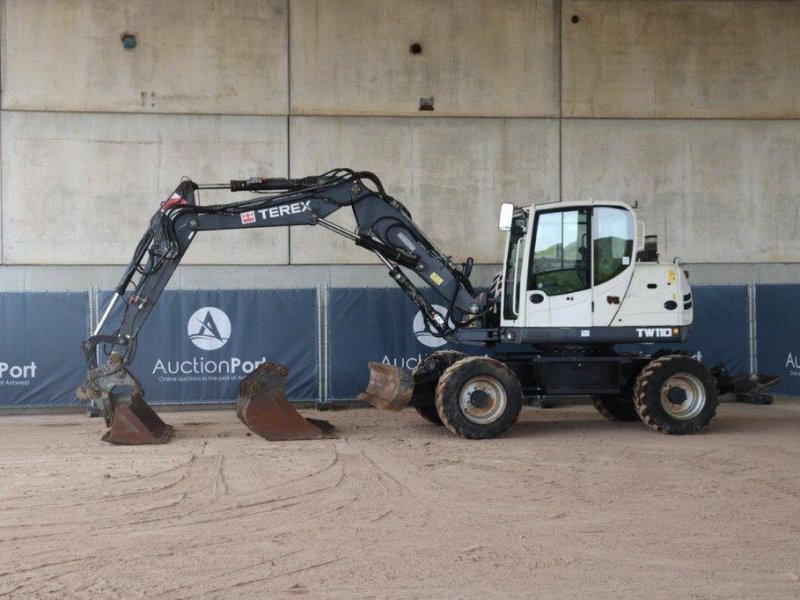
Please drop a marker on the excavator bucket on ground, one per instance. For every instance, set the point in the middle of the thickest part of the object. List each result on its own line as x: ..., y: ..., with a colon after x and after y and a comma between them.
x: 134, y: 423
x: 262, y: 406
x: 120, y: 397
x: 390, y: 387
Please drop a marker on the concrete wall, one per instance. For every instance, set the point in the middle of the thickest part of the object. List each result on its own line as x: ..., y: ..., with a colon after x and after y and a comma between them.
x: 477, y: 57
x: 729, y: 59
x: 192, y: 56
x: 691, y: 109
x: 452, y: 174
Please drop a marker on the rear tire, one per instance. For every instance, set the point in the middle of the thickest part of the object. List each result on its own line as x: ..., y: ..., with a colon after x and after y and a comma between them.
x: 478, y: 398
x: 428, y: 412
x: 424, y: 398
x: 616, y: 408
x: 675, y: 394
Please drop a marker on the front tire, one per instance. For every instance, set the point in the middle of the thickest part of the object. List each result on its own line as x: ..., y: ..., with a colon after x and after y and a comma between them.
x: 424, y: 398
x: 478, y: 398
x: 675, y: 394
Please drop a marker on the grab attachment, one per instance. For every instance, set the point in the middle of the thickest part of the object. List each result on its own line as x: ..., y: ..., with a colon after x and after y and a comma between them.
x: 390, y: 387
x: 263, y: 407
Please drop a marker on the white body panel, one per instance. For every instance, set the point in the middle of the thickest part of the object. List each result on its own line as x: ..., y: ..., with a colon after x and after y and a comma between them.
x: 565, y: 310
x: 652, y: 286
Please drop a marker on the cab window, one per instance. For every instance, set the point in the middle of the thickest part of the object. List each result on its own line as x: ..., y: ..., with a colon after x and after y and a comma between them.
x: 613, y: 242
x: 560, y: 254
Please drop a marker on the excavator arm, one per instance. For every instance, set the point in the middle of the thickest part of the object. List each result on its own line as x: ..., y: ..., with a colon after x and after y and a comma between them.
x: 383, y: 226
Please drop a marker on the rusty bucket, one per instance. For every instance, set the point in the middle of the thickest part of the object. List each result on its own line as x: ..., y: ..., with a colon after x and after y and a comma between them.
x: 133, y: 422
x: 262, y: 406
x: 390, y: 387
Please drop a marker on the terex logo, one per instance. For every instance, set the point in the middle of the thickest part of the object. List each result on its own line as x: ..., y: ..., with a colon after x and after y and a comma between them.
x: 654, y: 332
x: 285, y: 210
x: 209, y: 328
x: 423, y: 336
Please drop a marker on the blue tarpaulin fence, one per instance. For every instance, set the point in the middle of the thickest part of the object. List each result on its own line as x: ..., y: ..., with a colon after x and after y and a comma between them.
x: 778, y: 335
x: 40, y: 357
x: 197, y: 345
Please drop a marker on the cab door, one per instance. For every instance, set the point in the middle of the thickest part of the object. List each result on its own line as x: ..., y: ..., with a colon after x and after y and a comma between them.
x: 559, y: 292
x: 613, y: 232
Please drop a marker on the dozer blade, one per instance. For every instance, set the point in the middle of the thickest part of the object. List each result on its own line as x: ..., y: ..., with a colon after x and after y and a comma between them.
x: 263, y: 407
x: 134, y: 423
x: 390, y: 387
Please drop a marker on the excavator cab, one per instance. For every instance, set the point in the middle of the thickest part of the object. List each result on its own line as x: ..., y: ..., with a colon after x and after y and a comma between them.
x: 572, y: 266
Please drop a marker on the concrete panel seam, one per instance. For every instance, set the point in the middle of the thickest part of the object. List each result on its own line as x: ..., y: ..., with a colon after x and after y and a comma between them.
x: 148, y: 113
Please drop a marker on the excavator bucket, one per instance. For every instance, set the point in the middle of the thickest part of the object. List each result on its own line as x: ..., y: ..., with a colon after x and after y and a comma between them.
x: 263, y: 407
x: 390, y: 387
x: 133, y: 423
x: 129, y: 418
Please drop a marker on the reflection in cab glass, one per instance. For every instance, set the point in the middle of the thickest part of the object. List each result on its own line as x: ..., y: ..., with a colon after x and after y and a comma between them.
x: 613, y: 242
x: 560, y: 257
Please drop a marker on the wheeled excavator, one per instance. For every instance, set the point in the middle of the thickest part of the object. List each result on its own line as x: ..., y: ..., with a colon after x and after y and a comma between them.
x: 577, y: 280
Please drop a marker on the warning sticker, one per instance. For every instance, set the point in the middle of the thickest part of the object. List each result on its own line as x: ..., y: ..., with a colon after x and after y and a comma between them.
x: 672, y: 276
x: 435, y: 278
x: 248, y: 217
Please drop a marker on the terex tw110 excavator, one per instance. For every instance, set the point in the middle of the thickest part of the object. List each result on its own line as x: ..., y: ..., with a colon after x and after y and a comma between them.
x: 577, y: 280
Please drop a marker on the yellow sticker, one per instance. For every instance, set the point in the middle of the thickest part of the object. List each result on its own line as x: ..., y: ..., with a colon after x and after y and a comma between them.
x: 672, y: 276
x: 436, y: 279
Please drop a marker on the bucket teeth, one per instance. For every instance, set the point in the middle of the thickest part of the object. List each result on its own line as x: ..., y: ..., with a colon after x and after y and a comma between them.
x: 390, y: 387
x: 263, y: 407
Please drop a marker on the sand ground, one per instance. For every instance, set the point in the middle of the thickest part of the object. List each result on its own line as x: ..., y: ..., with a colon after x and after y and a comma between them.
x: 568, y: 505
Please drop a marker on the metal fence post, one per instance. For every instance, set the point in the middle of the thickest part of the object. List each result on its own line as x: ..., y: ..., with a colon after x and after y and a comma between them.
x: 752, y: 332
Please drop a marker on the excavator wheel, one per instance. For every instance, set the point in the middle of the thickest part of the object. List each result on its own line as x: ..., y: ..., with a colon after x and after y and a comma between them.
x: 430, y: 369
x: 478, y: 398
x: 616, y: 408
x: 675, y: 394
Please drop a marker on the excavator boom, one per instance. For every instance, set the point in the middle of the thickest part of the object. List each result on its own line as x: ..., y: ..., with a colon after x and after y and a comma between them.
x: 383, y: 226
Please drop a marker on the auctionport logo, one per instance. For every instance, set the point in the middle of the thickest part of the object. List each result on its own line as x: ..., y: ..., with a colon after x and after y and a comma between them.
x: 423, y: 336
x: 209, y: 328
x: 11, y: 374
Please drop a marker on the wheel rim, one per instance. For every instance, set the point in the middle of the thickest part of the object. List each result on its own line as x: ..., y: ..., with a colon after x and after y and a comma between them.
x: 482, y: 400
x: 693, y: 401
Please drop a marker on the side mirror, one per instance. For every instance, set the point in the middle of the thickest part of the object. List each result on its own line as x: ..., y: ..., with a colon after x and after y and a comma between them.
x: 506, y: 216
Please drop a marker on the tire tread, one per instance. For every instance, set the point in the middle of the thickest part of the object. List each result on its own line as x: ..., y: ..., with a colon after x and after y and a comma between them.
x: 640, y: 397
